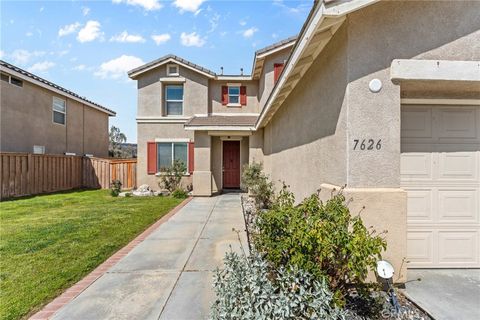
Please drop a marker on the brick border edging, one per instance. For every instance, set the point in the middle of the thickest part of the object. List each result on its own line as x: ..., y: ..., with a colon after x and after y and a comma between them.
x: 49, y: 310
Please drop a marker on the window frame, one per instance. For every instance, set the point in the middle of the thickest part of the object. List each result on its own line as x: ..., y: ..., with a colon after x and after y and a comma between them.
x: 167, y: 101
x: 63, y: 112
x: 9, y: 80
x: 173, y: 74
x: 172, y: 143
x: 239, y: 87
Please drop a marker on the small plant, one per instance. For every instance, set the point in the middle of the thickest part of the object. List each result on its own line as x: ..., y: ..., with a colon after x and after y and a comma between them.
x: 179, y: 194
x: 248, y: 289
x: 115, y: 188
x: 258, y: 184
x: 172, y: 176
x: 322, y: 238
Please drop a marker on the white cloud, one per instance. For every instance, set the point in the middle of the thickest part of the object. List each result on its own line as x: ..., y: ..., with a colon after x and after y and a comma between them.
x: 82, y: 67
x: 69, y: 28
x: 242, y: 23
x: 41, y: 9
x: 161, y: 38
x: 191, y: 40
x: 85, y: 11
x: 148, y: 5
x: 41, y: 66
x: 213, y: 22
x: 118, y: 68
x: 22, y: 57
x: 188, y: 5
x: 249, y: 32
x: 2, y: 54
x: 29, y: 34
x: 90, y: 32
x: 126, y: 37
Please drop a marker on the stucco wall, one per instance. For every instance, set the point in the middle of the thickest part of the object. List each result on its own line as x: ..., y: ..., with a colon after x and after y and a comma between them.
x: 27, y: 120
x: 266, y: 81
x: 151, y: 92
x: 215, y: 93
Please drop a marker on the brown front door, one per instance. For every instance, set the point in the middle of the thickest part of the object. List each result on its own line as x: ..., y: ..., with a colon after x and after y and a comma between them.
x: 231, y: 164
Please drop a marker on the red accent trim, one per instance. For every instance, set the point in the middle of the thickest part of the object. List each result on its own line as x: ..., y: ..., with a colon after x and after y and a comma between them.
x: 243, y: 95
x: 151, y: 157
x: 224, y: 95
x: 191, y: 157
x: 277, y: 71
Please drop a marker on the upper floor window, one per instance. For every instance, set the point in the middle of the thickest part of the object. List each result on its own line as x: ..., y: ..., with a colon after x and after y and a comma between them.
x: 172, y: 70
x: 59, y: 110
x: 12, y: 80
x: 174, y: 100
x: 234, y: 94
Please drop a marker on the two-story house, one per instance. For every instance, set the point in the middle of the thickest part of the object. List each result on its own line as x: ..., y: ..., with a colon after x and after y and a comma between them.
x: 382, y: 97
x: 38, y: 116
x: 190, y: 113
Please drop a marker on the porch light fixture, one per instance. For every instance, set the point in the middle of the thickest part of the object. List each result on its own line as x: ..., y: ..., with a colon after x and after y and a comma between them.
x: 375, y: 85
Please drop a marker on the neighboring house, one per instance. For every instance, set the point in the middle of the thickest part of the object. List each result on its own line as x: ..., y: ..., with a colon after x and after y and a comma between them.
x: 380, y: 96
x: 38, y: 116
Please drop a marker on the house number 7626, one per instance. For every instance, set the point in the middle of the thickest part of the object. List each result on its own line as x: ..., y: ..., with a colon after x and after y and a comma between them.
x: 367, y: 144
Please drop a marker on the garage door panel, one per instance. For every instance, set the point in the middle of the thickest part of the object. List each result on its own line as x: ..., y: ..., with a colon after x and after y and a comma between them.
x: 419, y: 205
x: 458, y: 247
x: 420, y: 247
x: 458, y: 166
x: 458, y: 206
x: 440, y: 170
x: 457, y: 123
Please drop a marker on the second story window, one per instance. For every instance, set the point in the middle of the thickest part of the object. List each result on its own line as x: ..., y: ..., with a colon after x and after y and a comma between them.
x: 59, y: 110
x: 174, y: 100
x: 234, y: 94
x: 172, y: 70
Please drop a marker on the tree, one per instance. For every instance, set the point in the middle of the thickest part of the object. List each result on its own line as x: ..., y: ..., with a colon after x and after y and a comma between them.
x: 116, y: 138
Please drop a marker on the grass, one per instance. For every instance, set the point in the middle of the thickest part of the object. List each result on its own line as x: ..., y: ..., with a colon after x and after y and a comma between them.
x: 47, y: 243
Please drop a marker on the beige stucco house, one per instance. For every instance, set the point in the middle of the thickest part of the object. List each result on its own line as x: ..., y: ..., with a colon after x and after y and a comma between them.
x: 382, y: 97
x: 38, y: 116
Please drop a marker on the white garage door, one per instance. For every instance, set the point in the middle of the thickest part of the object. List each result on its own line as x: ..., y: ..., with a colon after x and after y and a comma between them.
x: 440, y: 169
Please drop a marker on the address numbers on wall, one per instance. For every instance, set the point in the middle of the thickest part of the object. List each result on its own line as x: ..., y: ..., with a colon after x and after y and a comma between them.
x: 367, y: 144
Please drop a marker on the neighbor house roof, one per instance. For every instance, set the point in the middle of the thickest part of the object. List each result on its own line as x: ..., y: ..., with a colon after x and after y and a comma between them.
x: 221, y: 122
x: 166, y: 59
x: 27, y: 76
x: 324, y: 20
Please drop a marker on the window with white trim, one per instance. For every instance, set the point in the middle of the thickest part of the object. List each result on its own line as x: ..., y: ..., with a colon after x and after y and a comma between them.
x: 59, y: 108
x: 174, y: 100
x: 168, y: 152
x: 233, y: 94
x: 173, y: 70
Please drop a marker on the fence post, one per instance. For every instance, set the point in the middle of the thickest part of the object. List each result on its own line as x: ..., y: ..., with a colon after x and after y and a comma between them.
x: 30, y: 174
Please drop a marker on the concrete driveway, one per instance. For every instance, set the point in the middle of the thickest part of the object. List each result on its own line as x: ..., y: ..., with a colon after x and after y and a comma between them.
x: 169, y: 275
x: 451, y: 294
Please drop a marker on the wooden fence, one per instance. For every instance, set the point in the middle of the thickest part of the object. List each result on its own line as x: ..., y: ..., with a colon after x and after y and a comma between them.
x: 23, y: 174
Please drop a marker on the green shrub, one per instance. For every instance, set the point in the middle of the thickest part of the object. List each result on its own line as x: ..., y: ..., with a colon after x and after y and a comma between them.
x: 258, y: 184
x: 115, y: 188
x: 179, y: 194
x: 172, y: 176
x: 247, y: 289
x: 322, y: 238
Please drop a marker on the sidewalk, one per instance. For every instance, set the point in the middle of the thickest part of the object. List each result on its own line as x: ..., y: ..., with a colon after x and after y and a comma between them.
x: 169, y: 274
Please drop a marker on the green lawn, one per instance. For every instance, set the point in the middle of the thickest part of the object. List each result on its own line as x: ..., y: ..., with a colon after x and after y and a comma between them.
x: 47, y: 243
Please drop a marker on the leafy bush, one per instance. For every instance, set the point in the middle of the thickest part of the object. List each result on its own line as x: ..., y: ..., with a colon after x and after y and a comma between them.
x: 172, y: 176
x: 258, y: 184
x: 321, y: 238
x: 246, y: 289
x: 179, y: 194
x: 115, y: 188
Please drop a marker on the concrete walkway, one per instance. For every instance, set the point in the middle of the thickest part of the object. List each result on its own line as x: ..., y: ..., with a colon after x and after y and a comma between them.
x: 446, y: 294
x: 169, y: 275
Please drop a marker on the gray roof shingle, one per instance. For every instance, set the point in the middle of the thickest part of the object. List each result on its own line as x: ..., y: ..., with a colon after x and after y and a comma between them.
x: 171, y: 56
x: 224, y: 121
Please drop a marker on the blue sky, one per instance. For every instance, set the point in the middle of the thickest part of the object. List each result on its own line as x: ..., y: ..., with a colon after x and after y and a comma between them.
x: 87, y: 46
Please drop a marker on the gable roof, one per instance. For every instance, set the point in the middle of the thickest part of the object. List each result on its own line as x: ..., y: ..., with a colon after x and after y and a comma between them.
x: 27, y: 76
x: 264, y: 52
x: 170, y: 58
x: 324, y: 20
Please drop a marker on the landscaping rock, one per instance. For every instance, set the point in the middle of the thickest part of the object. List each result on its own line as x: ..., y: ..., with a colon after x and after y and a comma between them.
x: 144, y: 191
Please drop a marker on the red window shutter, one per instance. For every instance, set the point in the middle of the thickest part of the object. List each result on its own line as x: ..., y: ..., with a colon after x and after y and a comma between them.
x: 277, y: 70
x: 224, y: 95
x: 151, y: 157
x: 191, y: 157
x: 243, y: 95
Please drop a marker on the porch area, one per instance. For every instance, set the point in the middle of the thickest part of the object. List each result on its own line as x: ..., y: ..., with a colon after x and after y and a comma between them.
x: 223, y: 145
